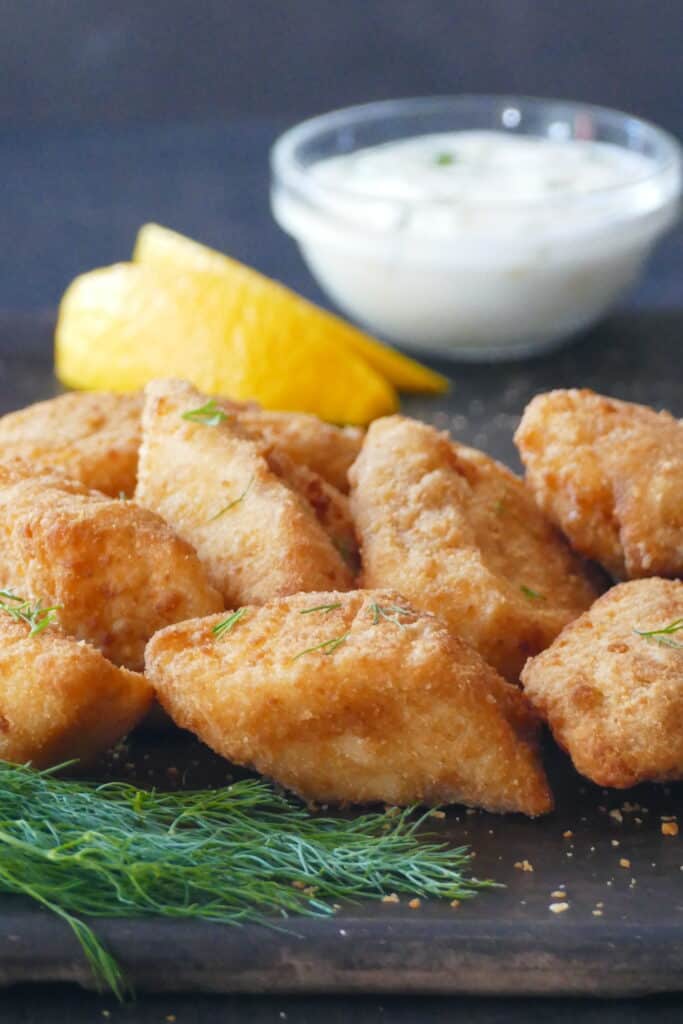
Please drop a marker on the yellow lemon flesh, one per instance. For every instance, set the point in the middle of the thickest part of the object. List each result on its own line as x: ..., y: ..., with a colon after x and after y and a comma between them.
x: 120, y: 326
x: 266, y: 305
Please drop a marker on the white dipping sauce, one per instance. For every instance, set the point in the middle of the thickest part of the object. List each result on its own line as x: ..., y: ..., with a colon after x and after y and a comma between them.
x: 479, y: 242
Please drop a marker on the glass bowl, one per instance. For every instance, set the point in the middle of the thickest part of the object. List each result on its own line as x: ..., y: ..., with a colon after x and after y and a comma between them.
x: 514, y: 274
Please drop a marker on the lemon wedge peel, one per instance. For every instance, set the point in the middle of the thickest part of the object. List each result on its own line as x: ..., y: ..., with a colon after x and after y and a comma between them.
x: 120, y: 326
x: 276, y: 307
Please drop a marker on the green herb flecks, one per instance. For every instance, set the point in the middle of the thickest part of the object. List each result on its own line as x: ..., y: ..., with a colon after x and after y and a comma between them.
x: 221, y: 629
x: 444, y: 159
x: 662, y: 636
x: 531, y: 595
x: 34, y: 615
x: 326, y: 647
x: 321, y: 608
x: 390, y: 612
x: 231, y: 855
x: 499, y: 507
x: 209, y: 414
x: 235, y: 501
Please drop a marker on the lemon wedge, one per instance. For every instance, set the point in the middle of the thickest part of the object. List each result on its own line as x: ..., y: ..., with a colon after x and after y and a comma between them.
x: 121, y: 326
x: 266, y: 305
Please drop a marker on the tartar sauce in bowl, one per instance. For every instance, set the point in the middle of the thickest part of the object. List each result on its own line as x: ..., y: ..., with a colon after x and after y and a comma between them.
x: 509, y: 232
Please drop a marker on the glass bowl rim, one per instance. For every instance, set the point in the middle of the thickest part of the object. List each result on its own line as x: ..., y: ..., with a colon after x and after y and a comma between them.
x: 289, y: 172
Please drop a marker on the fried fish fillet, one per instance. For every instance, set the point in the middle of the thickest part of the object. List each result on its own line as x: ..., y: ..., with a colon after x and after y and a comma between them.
x: 331, y: 508
x: 257, y: 537
x: 91, y: 436
x: 611, y: 685
x: 610, y: 475
x: 460, y: 536
x: 60, y: 699
x: 328, y: 450
x: 117, y: 571
x: 352, y: 697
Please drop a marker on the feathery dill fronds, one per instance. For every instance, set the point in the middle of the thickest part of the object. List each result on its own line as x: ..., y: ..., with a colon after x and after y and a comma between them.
x: 241, y: 853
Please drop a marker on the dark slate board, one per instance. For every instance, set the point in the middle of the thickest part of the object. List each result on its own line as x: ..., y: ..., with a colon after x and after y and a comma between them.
x: 504, y: 942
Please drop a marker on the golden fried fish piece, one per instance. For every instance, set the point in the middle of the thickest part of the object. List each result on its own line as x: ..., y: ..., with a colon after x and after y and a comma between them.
x: 60, y: 699
x: 91, y: 436
x: 611, y: 685
x: 610, y: 475
x: 352, y: 697
x: 328, y: 450
x: 460, y: 536
x: 332, y: 508
x: 257, y: 537
x: 117, y: 571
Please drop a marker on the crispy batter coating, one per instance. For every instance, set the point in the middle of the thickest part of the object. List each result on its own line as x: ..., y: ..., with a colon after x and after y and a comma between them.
x: 60, y: 699
x: 328, y: 450
x: 257, y: 537
x: 361, y: 700
x: 610, y: 475
x: 117, y: 570
x: 613, y: 698
x: 460, y: 536
x: 91, y: 436
x: 332, y: 508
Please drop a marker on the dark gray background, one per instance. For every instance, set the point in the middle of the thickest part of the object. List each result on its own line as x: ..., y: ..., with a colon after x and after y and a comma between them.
x: 113, y: 60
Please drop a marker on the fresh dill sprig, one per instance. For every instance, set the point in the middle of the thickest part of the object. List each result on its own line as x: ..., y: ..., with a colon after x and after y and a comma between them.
x: 326, y: 647
x: 321, y: 608
x: 390, y: 612
x: 662, y: 636
x: 235, y: 501
x: 34, y: 615
x: 209, y: 414
x: 224, y: 627
x: 237, y: 854
x: 532, y: 595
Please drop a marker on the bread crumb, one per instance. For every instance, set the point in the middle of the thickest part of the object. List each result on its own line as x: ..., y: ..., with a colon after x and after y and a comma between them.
x: 455, y: 904
x: 559, y: 894
x: 568, y: 834
x: 624, y: 862
x: 596, y: 913
x: 558, y: 908
x: 669, y: 828
x: 415, y: 904
x: 438, y: 814
x: 524, y: 865
x: 615, y: 842
x: 391, y: 898
x: 616, y: 815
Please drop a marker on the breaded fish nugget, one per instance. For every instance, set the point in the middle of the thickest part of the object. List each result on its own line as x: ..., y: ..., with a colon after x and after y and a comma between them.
x: 352, y: 697
x: 460, y: 536
x: 257, y: 537
x: 610, y: 475
x: 332, y: 508
x: 611, y: 685
x: 308, y: 441
x: 117, y: 571
x: 91, y: 436
x: 60, y: 699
